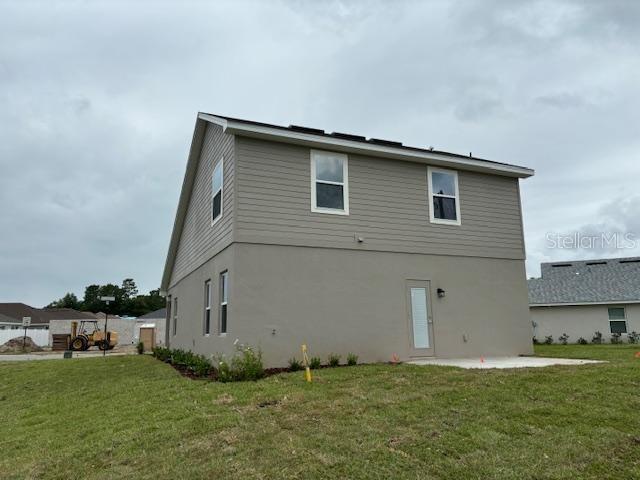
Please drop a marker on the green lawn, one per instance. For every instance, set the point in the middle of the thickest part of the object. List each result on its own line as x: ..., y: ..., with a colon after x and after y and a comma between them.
x: 134, y: 417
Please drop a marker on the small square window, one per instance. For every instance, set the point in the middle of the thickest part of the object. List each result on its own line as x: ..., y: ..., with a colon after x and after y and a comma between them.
x: 330, y: 196
x: 618, y: 326
x: 617, y: 313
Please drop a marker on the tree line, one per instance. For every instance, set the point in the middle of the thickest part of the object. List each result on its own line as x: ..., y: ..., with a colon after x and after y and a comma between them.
x: 127, y: 300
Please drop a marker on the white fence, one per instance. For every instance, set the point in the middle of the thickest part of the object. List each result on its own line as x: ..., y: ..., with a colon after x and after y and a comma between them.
x: 39, y: 335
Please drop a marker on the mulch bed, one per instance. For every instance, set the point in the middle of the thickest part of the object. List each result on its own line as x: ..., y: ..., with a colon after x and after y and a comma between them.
x: 185, y: 372
x: 213, y: 375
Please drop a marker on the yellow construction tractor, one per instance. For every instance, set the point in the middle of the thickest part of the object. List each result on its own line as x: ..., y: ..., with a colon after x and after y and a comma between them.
x: 89, y: 335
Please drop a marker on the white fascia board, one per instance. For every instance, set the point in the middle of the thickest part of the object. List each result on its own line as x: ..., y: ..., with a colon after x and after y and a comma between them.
x: 350, y: 146
x: 577, y: 304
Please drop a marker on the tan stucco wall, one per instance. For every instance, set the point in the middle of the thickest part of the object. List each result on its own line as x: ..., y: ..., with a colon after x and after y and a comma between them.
x: 580, y: 321
x: 190, y: 293
x: 354, y: 301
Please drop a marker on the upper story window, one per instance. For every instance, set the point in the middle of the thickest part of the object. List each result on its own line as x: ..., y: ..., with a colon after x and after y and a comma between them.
x: 217, y: 181
x: 329, y: 183
x: 444, y: 197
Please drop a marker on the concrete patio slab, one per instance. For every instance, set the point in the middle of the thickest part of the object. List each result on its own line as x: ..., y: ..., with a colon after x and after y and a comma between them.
x: 502, y: 362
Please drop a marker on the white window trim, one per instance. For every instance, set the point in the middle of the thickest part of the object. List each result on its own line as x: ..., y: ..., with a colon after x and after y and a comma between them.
x: 224, y: 292
x: 432, y: 218
x: 344, y: 184
x: 213, y: 194
x: 626, y: 324
x: 207, y: 307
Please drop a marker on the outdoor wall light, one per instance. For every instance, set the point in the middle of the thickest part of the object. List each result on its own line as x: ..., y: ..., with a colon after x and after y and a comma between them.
x: 441, y: 293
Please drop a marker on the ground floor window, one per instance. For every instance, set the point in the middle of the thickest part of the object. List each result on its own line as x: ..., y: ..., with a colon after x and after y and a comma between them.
x: 175, y: 315
x: 224, y: 293
x: 207, y: 307
x: 617, y: 320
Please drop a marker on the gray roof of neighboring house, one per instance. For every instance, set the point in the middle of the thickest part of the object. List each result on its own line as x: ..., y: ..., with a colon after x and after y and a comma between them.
x: 101, y: 315
x: 587, y: 281
x: 6, y: 319
x: 65, y: 314
x: 18, y: 310
x: 41, y: 316
x: 162, y: 313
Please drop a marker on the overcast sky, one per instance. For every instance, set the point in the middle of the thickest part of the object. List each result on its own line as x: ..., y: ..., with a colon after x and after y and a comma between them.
x: 98, y: 101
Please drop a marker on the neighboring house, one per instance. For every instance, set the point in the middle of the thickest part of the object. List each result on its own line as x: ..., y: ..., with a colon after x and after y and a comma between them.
x: 156, y: 320
x: 581, y: 297
x: 42, y: 319
x: 9, y: 323
x: 290, y: 235
x: 15, y: 312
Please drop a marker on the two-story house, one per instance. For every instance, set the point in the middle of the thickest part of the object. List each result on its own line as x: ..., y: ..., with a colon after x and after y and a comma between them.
x: 290, y: 235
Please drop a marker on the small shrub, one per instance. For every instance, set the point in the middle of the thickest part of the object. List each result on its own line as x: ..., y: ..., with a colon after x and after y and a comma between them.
x: 633, y: 337
x: 564, y: 338
x: 536, y: 341
x: 615, y: 338
x: 224, y: 370
x: 548, y: 340
x: 333, y: 360
x: 295, y: 364
x: 162, y: 353
x: 315, y: 363
x: 597, y: 338
x: 246, y: 364
x: 200, y: 366
x: 352, y: 359
x: 179, y: 357
x: 582, y: 341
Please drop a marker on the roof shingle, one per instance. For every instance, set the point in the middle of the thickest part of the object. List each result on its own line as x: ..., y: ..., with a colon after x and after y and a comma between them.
x: 161, y: 313
x: 41, y: 316
x: 587, y: 281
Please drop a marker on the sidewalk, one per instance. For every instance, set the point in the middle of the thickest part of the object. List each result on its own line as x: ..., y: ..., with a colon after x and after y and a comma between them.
x: 23, y: 357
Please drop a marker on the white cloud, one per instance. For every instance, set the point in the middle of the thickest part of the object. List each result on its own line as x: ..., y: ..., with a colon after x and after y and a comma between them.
x: 98, y: 100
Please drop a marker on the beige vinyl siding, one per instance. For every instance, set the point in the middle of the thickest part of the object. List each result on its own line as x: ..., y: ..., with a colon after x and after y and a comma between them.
x: 388, y: 203
x: 200, y: 240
